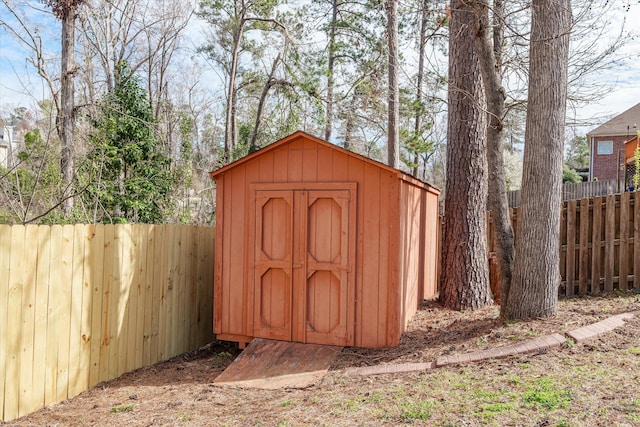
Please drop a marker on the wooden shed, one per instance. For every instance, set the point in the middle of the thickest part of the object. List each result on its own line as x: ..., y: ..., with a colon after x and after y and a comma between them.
x: 320, y: 245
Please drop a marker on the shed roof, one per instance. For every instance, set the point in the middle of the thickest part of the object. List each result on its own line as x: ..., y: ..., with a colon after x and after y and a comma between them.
x: 621, y: 125
x: 301, y: 134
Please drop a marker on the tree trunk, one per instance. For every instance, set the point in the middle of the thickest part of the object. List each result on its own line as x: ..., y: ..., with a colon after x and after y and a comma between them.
x: 230, y: 128
x: 330, y: 70
x: 491, y: 76
x: 393, y: 132
x: 534, y: 287
x: 253, y: 146
x: 465, y: 272
x: 422, y: 43
x: 65, y: 118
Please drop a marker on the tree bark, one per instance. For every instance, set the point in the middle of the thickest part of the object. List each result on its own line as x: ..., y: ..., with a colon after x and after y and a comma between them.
x: 534, y: 287
x: 465, y: 273
x: 490, y: 69
x: 253, y: 146
x: 422, y: 43
x: 65, y: 118
x: 393, y: 132
x: 330, y: 71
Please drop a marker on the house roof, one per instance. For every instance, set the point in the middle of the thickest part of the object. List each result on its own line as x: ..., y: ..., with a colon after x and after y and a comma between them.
x: 300, y: 134
x: 623, y: 124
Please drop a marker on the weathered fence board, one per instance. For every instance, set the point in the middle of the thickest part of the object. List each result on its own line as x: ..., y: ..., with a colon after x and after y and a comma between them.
x: 575, y: 191
x: 600, y: 244
x: 80, y: 304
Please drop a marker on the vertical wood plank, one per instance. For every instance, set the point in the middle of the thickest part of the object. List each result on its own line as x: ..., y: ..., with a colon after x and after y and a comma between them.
x: 170, y: 287
x: 163, y: 252
x: 159, y: 279
x: 123, y: 299
x: 114, y: 296
x: 53, y: 316
x: 150, y: 303
x: 41, y: 304
x: 596, y: 245
x: 571, y: 247
x: 96, y: 246
x: 141, y: 231
x: 583, y: 268
x: 623, y: 260
x: 636, y: 240
x: 309, y: 161
x: 207, y: 311
x: 5, y: 261
x: 218, y: 280
x: 64, y: 331
x: 609, y: 238
x: 192, y: 287
x: 107, y: 302
x: 131, y: 256
x: 87, y: 233
x: 27, y: 327
x: 75, y: 336
x: 325, y: 164
x: 14, y: 314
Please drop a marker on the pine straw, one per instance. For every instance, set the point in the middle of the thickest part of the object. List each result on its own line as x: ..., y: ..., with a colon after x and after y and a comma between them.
x: 435, y: 331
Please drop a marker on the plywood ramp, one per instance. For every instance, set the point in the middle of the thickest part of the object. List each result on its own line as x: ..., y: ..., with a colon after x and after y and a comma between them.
x: 269, y: 364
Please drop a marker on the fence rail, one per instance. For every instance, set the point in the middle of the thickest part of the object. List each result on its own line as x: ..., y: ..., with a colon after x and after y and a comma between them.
x: 81, y: 304
x: 575, y: 191
x: 600, y: 244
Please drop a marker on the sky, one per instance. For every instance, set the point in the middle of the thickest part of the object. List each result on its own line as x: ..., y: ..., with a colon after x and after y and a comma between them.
x: 17, y: 76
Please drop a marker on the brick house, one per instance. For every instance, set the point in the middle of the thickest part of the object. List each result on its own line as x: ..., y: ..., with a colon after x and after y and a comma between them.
x: 607, y: 145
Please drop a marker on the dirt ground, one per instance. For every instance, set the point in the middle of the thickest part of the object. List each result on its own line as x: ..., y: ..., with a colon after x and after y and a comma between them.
x: 594, y: 383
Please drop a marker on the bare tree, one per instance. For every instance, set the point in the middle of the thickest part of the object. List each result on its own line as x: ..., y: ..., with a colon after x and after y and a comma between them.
x: 534, y: 286
x: 393, y: 132
x: 465, y: 276
x: 489, y: 43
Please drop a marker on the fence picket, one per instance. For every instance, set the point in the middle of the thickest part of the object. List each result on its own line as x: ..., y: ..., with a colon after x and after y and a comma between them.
x: 42, y: 296
x: 95, y: 250
x: 583, y: 257
x: 75, y: 335
x: 609, y: 242
x: 14, y: 314
x: 623, y: 264
x: 571, y: 247
x: 5, y: 260
x: 27, y: 327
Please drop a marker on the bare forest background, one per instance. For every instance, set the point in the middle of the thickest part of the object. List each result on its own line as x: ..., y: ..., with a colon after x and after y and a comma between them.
x: 144, y: 97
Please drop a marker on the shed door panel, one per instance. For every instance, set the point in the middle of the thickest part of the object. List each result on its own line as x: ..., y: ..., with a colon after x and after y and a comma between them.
x: 303, y: 276
x: 327, y: 266
x: 273, y: 264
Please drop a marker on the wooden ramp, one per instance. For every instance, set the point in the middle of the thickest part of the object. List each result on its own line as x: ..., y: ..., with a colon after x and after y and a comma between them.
x: 269, y: 364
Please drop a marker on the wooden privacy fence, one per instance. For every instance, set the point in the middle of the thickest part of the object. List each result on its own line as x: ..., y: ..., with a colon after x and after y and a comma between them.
x: 81, y: 304
x: 600, y: 244
x: 575, y: 191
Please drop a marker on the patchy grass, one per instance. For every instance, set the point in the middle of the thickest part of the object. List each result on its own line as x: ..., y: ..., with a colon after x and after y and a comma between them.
x: 122, y: 408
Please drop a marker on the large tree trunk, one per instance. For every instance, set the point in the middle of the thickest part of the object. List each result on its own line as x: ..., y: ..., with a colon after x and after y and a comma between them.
x: 422, y: 43
x: 230, y: 128
x: 330, y: 71
x: 393, y: 132
x: 490, y: 67
x: 65, y: 118
x: 465, y: 273
x: 534, y: 287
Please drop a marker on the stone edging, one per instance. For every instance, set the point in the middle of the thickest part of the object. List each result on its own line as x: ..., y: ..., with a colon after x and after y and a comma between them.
x: 536, y: 345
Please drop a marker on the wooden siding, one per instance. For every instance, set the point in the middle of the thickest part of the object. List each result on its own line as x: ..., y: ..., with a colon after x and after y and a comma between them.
x: 378, y: 247
x: 82, y: 304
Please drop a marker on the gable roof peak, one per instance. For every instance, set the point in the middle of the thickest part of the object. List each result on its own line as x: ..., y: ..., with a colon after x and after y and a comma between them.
x: 624, y: 124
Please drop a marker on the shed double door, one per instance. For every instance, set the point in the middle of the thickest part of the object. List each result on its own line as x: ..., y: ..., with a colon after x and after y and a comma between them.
x: 303, y: 263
